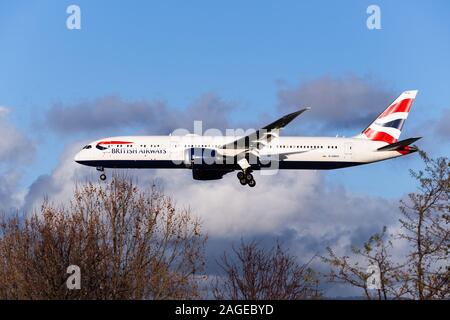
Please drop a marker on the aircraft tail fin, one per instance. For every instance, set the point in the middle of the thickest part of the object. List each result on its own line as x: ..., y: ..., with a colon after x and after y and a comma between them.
x: 388, y: 125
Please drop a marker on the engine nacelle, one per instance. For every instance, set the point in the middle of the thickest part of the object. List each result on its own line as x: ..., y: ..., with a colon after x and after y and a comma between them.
x: 195, y: 157
x: 201, y: 174
x: 206, y: 164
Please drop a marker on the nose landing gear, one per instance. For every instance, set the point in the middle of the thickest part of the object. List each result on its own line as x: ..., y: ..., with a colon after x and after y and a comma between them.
x: 246, y: 178
x: 102, y: 176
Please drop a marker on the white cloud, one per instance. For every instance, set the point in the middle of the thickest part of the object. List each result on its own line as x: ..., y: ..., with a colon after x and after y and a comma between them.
x: 60, y: 184
x: 9, y: 196
x: 3, y: 111
x: 441, y: 126
x: 298, y: 206
x: 15, y: 150
x: 337, y: 103
x: 229, y: 209
x: 106, y: 114
x: 15, y: 147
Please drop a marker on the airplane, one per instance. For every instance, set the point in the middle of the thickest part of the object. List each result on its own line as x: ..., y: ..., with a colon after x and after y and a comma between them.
x: 211, y: 157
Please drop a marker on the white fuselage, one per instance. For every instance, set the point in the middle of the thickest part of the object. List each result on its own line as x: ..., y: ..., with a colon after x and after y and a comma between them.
x: 172, y: 152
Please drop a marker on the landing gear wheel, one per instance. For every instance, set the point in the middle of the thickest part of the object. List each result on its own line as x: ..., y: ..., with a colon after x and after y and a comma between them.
x: 245, y: 177
x: 103, y: 177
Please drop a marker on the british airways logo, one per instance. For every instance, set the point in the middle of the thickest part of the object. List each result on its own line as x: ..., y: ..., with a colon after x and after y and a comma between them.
x: 138, y: 151
x: 129, y: 148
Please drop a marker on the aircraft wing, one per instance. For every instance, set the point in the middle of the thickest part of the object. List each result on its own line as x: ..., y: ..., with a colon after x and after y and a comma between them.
x: 262, y: 137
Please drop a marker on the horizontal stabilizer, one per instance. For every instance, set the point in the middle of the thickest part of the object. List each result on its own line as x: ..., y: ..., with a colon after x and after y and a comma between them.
x: 399, y: 144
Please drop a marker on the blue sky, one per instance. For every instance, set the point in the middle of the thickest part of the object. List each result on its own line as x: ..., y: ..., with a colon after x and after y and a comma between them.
x: 231, y: 58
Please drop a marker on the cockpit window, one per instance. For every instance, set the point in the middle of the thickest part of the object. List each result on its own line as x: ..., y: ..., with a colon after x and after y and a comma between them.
x: 87, y: 147
x: 99, y: 147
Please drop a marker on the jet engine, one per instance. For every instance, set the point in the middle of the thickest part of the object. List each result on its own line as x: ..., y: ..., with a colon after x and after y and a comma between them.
x: 205, y: 163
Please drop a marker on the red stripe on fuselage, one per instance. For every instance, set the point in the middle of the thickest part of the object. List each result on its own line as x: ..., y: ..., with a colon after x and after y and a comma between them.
x: 114, y: 142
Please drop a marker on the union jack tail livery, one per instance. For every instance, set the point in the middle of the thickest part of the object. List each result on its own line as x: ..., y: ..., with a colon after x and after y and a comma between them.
x: 388, y: 125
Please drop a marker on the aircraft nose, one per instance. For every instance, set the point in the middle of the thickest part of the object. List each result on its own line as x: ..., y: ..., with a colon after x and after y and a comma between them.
x: 77, y: 157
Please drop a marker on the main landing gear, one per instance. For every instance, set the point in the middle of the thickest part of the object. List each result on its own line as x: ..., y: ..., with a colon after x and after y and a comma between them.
x: 246, y: 178
x: 102, y: 176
